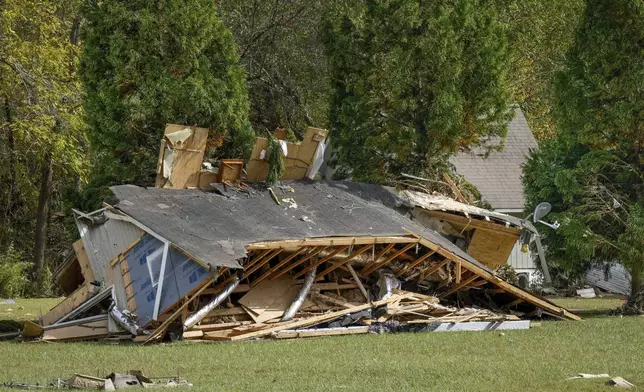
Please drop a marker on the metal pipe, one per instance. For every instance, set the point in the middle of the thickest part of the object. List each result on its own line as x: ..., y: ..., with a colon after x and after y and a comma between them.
x: 124, y: 322
x: 301, y: 296
x: 387, y: 283
x: 542, y: 259
x: 203, y: 312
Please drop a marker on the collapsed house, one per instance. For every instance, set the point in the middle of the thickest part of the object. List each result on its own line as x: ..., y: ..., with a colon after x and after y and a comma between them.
x: 305, y: 258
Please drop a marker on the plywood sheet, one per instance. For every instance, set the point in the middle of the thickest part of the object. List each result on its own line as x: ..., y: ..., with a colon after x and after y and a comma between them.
x: 490, y: 248
x: 83, y: 260
x: 296, y: 163
x: 183, y: 155
x: 70, y: 303
x: 270, y: 298
x: 89, y: 330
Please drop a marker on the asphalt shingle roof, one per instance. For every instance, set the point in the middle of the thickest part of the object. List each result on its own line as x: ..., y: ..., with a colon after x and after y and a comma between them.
x: 498, y: 177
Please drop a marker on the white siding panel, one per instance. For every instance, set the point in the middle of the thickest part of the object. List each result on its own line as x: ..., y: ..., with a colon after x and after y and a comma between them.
x: 520, y: 260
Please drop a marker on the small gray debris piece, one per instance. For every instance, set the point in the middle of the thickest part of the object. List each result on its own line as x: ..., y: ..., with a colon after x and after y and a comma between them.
x: 163, y: 206
x: 586, y: 375
x: 109, y: 385
x: 619, y: 382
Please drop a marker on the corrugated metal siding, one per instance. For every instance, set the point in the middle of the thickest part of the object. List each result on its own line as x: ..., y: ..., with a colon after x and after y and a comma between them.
x: 520, y: 260
x: 106, y: 241
x: 618, y: 279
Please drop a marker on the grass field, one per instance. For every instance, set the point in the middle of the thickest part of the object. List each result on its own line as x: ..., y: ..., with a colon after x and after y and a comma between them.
x: 539, y: 359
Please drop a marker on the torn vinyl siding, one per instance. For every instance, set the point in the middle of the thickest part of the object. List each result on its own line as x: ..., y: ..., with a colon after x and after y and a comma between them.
x: 611, y: 277
x: 104, y: 242
x: 520, y: 260
x: 181, y: 276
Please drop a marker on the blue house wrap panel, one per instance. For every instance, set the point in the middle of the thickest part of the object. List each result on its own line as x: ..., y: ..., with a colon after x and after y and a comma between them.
x: 181, y: 276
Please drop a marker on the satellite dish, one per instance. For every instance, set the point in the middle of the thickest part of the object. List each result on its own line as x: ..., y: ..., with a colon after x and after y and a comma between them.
x: 542, y: 210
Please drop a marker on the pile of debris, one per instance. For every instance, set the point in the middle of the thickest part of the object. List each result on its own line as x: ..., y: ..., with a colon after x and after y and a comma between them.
x: 233, y: 261
x: 133, y: 379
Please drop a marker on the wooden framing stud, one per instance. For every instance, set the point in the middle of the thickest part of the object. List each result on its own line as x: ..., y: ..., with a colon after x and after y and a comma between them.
x: 416, y: 262
x: 256, y: 259
x: 298, y: 262
x: 321, y: 261
x: 458, y: 271
x: 262, y: 262
x: 431, y: 270
x: 377, y: 265
x: 344, y: 261
x: 278, y: 266
x: 356, y: 278
x: 459, y: 285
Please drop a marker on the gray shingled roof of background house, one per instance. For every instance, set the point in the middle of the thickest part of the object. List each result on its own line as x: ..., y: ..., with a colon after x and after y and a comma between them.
x: 498, y: 177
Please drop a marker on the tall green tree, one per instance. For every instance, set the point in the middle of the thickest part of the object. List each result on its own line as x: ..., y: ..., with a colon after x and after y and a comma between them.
x: 593, y: 173
x: 146, y: 63
x: 414, y: 81
x: 41, y: 139
x: 540, y: 34
x: 281, y: 49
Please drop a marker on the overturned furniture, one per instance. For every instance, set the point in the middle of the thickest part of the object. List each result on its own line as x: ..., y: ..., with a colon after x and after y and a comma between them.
x: 239, y: 265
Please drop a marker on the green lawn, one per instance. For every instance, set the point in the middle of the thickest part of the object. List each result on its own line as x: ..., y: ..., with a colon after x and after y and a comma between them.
x: 539, y: 359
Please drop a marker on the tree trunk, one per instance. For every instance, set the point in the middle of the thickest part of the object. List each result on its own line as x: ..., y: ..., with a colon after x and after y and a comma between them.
x: 41, y: 219
x: 636, y: 279
x: 11, y: 195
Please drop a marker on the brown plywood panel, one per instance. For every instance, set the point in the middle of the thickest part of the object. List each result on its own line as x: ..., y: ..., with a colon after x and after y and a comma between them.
x: 70, y: 303
x: 187, y: 157
x: 490, y: 248
x: 297, y: 161
x: 83, y: 260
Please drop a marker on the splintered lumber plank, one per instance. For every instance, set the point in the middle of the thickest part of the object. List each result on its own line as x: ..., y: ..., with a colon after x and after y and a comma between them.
x: 458, y: 271
x: 459, y: 285
x: 416, y: 262
x: 428, y: 272
x: 157, y: 332
x: 321, y: 261
x: 331, y: 300
x: 344, y: 261
x: 90, y: 330
x: 509, y: 288
x: 309, y: 333
x: 378, y: 265
x: 261, y: 263
x: 356, y: 278
x: 332, y: 241
x: 214, y: 327
x: 257, y: 258
x: 319, y: 319
x: 475, y: 223
x: 278, y: 266
x: 220, y: 312
x: 192, y: 334
x: 377, y: 257
x: 302, y: 260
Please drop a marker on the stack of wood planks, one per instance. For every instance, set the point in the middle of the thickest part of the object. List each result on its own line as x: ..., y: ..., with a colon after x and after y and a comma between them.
x: 327, y: 313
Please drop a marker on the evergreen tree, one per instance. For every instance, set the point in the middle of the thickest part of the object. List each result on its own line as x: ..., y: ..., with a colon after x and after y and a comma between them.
x: 146, y: 63
x: 414, y: 81
x: 593, y: 173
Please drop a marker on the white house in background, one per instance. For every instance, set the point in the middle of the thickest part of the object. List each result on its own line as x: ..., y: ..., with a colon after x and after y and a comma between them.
x: 498, y: 178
